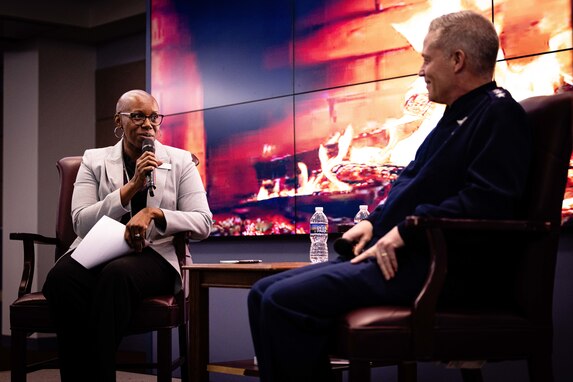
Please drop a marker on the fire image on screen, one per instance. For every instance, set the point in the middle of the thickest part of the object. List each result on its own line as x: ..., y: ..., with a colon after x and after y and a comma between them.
x: 292, y: 104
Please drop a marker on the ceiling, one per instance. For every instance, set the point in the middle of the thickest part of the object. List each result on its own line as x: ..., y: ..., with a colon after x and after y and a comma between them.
x: 81, y: 21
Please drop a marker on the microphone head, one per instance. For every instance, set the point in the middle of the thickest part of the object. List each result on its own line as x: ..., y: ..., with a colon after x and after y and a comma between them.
x: 345, y: 248
x: 148, y: 144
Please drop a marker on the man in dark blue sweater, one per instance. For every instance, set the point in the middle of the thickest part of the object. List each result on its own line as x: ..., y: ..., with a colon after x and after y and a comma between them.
x: 473, y: 165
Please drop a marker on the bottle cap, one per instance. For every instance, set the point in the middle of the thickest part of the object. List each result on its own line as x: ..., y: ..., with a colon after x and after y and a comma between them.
x: 318, y: 209
x: 363, y: 206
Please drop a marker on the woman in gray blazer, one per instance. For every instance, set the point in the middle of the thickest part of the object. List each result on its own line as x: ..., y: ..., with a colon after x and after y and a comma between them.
x: 115, y: 182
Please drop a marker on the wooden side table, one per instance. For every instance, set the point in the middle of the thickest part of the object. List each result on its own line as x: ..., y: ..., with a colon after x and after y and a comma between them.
x: 205, y: 276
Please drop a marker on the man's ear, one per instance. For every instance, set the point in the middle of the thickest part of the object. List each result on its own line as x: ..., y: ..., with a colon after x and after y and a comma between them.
x: 459, y: 60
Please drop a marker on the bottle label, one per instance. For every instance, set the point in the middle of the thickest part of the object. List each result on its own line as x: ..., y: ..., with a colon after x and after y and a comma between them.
x: 318, y: 228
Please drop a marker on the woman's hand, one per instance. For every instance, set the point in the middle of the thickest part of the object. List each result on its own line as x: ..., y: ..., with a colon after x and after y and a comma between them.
x: 385, y: 252
x: 136, y: 229
x: 145, y: 163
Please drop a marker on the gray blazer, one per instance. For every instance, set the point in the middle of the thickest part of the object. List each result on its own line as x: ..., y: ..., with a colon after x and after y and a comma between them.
x: 180, y: 194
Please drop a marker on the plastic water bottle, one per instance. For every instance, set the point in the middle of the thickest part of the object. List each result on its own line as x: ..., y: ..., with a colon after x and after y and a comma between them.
x: 318, y: 236
x: 362, y: 214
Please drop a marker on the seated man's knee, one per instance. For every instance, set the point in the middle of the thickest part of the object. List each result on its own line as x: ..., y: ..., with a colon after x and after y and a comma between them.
x: 278, y: 296
x: 256, y: 293
x: 271, y: 291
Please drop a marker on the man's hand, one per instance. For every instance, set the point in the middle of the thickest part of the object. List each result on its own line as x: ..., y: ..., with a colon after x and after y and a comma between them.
x: 360, y: 234
x: 385, y: 252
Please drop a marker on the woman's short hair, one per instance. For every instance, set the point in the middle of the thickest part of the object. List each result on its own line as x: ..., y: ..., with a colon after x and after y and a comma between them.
x: 472, y: 33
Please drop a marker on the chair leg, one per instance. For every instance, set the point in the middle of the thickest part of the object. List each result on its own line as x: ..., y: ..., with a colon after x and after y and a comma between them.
x: 18, y: 356
x: 184, y: 351
x: 359, y: 371
x: 407, y: 372
x: 471, y: 375
x: 164, y: 356
x: 540, y: 368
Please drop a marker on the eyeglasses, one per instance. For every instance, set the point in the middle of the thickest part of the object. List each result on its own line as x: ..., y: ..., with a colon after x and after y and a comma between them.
x: 139, y: 118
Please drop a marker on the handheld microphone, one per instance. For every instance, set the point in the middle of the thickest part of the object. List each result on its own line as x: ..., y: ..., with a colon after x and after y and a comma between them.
x: 149, y: 145
x: 344, y: 247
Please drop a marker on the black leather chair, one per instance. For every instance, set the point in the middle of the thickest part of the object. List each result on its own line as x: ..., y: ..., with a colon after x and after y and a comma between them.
x: 29, y: 313
x: 521, y: 327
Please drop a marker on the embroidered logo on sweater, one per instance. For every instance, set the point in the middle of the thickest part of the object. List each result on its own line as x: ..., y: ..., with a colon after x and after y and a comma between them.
x: 461, y: 121
x: 499, y: 93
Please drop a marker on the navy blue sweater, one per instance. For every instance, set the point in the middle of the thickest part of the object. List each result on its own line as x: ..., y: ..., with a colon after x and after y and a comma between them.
x: 472, y: 165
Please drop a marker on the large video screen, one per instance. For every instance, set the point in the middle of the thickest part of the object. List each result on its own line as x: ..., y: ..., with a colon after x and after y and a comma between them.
x: 293, y: 104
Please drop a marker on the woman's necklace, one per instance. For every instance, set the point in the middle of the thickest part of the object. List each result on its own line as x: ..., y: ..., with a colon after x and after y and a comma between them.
x: 139, y: 200
x: 127, y: 162
x: 127, y: 178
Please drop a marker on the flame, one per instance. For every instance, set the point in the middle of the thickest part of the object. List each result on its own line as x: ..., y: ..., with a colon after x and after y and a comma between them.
x: 328, y: 163
x: 326, y: 179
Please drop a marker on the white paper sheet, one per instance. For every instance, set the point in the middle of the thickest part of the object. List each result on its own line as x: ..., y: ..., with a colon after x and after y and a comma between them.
x: 103, y: 242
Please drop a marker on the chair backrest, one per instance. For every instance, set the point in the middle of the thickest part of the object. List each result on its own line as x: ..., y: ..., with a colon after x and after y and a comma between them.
x: 552, y: 124
x: 552, y: 121
x: 68, y: 169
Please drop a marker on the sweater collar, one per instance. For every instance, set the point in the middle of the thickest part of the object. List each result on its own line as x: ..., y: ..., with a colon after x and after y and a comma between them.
x: 461, y: 104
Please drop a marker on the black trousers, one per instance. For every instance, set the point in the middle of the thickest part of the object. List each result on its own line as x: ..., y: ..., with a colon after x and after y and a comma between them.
x: 291, y: 313
x: 92, y: 308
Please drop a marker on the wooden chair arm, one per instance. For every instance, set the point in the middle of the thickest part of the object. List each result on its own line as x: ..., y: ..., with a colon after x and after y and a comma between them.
x: 28, y: 240
x: 424, y: 306
x: 478, y: 224
x: 33, y: 237
x: 180, y: 242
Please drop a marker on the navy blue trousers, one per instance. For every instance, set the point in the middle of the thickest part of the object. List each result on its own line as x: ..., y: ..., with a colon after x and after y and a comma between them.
x: 92, y: 308
x: 291, y: 313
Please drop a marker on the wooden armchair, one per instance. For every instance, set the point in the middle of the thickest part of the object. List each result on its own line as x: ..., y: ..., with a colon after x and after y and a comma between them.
x: 30, y: 314
x: 468, y: 334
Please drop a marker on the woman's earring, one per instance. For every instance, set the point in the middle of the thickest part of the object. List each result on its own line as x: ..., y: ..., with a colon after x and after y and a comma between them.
x: 115, y: 132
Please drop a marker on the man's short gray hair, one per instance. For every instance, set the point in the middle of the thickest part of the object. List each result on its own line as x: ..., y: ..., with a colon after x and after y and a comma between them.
x: 472, y: 33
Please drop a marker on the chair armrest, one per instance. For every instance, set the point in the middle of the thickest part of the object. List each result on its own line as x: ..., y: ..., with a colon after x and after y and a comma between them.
x: 33, y: 237
x: 180, y: 242
x: 424, y: 306
x: 28, y: 240
x: 423, y: 222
